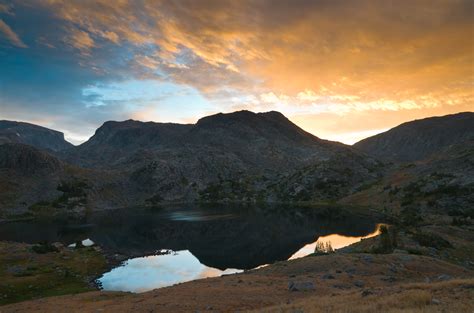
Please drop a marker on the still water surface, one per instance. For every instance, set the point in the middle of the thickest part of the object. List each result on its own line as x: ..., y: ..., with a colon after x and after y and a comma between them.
x: 174, y: 244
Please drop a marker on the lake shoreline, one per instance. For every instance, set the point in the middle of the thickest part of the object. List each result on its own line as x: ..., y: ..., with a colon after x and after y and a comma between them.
x: 353, y: 272
x: 284, y: 285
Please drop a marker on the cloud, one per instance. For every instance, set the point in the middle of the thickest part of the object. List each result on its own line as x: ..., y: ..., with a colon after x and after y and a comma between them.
x: 313, y: 58
x: 81, y: 41
x: 11, y: 35
x: 364, y: 50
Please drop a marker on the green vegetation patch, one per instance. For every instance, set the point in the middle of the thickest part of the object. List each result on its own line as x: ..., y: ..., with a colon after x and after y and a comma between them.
x: 36, y: 271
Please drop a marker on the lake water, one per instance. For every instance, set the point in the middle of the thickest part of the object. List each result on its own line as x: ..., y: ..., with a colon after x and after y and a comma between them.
x: 173, y: 244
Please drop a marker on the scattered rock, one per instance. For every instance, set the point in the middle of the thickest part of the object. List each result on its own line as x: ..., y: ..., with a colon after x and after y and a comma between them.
x: 445, y: 277
x: 15, y: 270
x: 120, y: 257
x: 389, y: 279
x: 301, y: 286
x: 341, y: 286
x: 435, y: 301
x: 367, y: 258
x: 328, y: 276
x: 57, y: 245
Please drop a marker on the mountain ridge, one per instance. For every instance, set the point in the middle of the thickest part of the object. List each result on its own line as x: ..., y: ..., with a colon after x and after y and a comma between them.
x: 418, y: 139
x: 234, y: 157
x: 34, y: 135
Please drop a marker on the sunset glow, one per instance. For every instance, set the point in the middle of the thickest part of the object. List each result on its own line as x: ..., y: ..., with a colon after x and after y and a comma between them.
x: 340, y: 70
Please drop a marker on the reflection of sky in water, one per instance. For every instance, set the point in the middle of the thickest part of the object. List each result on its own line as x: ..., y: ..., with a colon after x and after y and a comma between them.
x: 336, y: 241
x: 147, y: 273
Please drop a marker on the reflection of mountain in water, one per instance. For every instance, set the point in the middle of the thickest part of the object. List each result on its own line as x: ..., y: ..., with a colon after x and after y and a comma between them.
x: 229, y: 237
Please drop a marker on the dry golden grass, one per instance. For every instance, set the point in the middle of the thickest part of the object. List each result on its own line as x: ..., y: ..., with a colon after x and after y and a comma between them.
x: 451, y: 296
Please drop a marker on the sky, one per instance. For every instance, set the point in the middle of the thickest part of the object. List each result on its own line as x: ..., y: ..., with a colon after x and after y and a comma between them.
x: 342, y: 70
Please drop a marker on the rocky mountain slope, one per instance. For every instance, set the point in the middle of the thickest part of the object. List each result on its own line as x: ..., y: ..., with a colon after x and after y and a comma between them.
x: 440, y: 178
x: 33, y: 135
x: 419, y: 139
x: 241, y: 156
x: 263, y: 140
x: 27, y: 175
x: 237, y: 156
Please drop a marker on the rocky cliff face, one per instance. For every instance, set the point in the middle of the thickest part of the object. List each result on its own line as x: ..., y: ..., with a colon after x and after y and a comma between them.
x: 419, y: 139
x: 33, y: 135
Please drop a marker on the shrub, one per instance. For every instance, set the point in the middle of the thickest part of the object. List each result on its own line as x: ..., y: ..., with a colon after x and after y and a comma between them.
x: 387, y: 240
x: 410, y: 217
x: 72, y: 189
x: 44, y: 247
x: 431, y: 240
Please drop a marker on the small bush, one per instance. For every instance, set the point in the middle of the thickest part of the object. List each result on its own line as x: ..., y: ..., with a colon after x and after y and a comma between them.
x: 385, y: 241
x: 410, y: 217
x: 44, y: 247
x: 431, y: 240
x: 73, y: 188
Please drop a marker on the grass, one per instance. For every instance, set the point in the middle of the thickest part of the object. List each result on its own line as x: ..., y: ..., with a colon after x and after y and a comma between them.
x: 408, y: 298
x: 26, y: 274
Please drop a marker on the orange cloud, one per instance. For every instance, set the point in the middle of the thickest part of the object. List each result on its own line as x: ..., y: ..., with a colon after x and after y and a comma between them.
x: 11, y: 35
x: 311, y: 58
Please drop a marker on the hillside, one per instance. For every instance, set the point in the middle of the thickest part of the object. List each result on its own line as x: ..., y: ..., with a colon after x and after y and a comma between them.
x: 419, y: 139
x: 33, y: 135
x: 27, y: 175
x: 241, y: 156
x: 237, y: 156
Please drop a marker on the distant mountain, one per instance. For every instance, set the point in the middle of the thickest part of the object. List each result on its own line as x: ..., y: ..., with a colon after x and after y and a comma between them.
x: 419, y: 139
x: 233, y: 156
x: 263, y: 140
x: 240, y: 156
x: 33, y: 135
